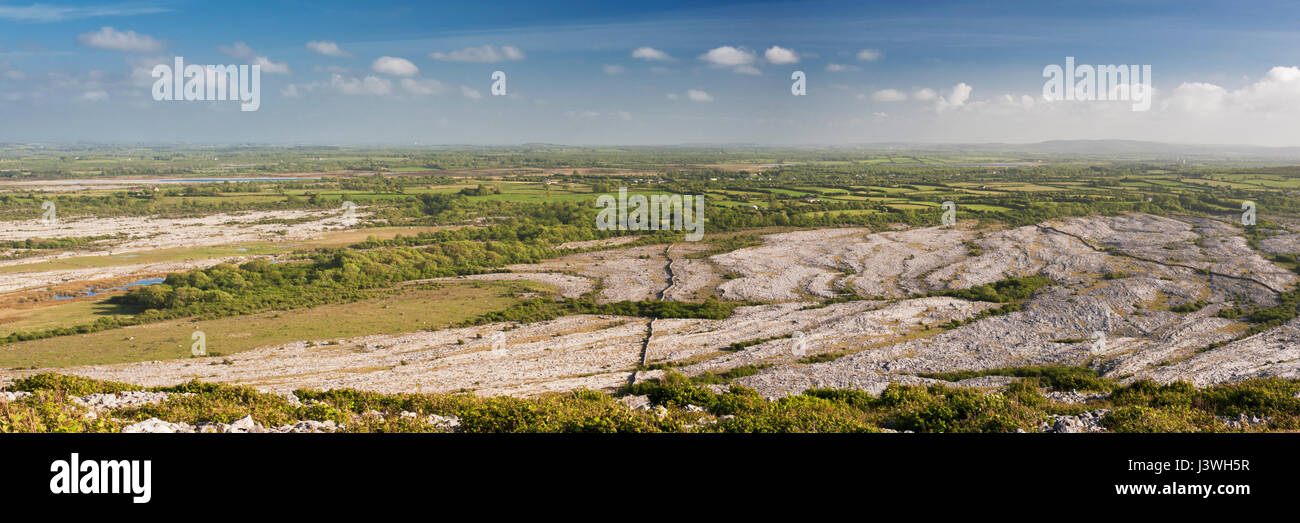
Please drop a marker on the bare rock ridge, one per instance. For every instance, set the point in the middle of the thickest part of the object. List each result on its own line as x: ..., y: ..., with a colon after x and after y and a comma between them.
x: 1116, y: 283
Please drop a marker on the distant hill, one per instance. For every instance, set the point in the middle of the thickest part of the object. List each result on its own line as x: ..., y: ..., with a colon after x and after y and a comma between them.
x: 1113, y: 149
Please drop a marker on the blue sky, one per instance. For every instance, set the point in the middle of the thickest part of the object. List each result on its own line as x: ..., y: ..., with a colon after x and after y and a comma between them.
x: 707, y: 72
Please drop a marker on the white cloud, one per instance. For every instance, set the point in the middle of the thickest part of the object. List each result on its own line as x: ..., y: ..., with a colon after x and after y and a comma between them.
x: 394, y: 66
x: 56, y: 13
x: 370, y: 85
x: 747, y: 69
x: 483, y: 54
x: 956, y: 98
x: 270, y: 67
x: 889, y: 95
x: 112, y: 39
x: 673, y: 96
x: 242, y: 51
x: 925, y: 94
x: 839, y: 68
x: 1196, y: 98
x: 650, y: 53
x: 868, y: 55
x: 1279, y: 90
x: 289, y: 91
x: 781, y: 56
x: 141, y: 74
x: 327, y: 48
x: 612, y: 69
x: 422, y: 87
x: 697, y: 95
x: 94, y: 96
x: 470, y: 93
x: 728, y: 56
x: 239, y: 50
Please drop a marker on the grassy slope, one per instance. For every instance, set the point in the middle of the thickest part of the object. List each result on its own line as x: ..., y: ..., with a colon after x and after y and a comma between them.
x: 411, y: 309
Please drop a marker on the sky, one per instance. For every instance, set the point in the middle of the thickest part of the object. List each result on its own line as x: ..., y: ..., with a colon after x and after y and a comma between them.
x: 662, y: 73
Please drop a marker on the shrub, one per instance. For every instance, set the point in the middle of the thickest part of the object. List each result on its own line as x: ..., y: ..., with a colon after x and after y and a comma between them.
x: 69, y: 384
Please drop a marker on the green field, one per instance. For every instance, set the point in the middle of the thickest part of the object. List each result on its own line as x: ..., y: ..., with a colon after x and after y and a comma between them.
x: 411, y: 309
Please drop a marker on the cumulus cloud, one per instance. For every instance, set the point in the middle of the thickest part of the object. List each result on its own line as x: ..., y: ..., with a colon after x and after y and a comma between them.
x: 327, y: 48
x: 482, y: 54
x: 1276, y: 94
x: 392, y: 65
x: 956, y: 98
x: 612, y: 69
x: 889, y: 95
x: 422, y: 87
x: 781, y: 56
x: 728, y: 56
x: 243, y: 51
x: 270, y: 67
x: 652, y: 54
x: 1196, y: 98
x: 869, y: 55
x: 127, y: 41
x: 924, y: 94
x: 370, y: 85
x: 239, y: 50
x: 696, y: 95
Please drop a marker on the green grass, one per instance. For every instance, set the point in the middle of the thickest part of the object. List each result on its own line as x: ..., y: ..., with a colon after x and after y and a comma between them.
x: 57, y: 313
x: 179, y: 254
x: 408, y: 310
x: 1140, y: 407
x: 1056, y: 378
